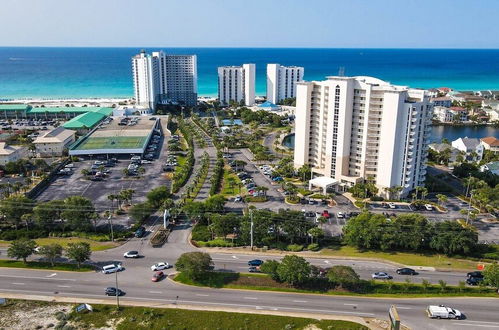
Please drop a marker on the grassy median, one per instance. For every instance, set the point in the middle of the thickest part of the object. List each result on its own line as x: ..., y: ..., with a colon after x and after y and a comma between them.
x: 63, y: 241
x: 263, y: 282
x: 45, y: 265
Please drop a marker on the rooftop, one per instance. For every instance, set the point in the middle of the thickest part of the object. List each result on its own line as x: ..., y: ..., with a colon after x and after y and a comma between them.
x: 85, y: 120
x: 6, y: 150
x: 491, y: 140
x: 57, y: 135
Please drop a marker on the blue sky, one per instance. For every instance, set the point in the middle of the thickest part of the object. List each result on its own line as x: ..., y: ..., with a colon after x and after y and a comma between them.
x: 251, y: 23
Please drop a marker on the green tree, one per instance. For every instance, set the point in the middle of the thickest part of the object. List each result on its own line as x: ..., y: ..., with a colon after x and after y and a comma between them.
x: 293, y: 270
x: 342, y: 275
x: 157, y: 196
x: 491, y: 275
x: 140, y: 212
x: 21, y: 249
x: 46, y: 213
x: 425, y: 284
x: 270, y: 267
x: 79, y: 212
x: 51, y: 252
x: 442, y: 199
x: 315, y: 232
x: 79, y: 252
x: 224, y: 224
x: 194, y: 264
x: 14, y: 207
x: 443, y: 285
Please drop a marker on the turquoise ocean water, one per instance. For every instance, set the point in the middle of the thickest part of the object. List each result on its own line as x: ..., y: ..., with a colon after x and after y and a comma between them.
x: 106, y: 72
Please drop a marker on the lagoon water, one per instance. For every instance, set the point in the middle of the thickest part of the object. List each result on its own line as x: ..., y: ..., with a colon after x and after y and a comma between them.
x: 106, y: 72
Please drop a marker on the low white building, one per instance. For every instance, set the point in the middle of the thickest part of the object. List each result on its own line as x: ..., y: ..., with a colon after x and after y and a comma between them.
x: 493, y: 114
x: 490, y: 143
x: 443, y: 114
x: 473, y: 148
x: 53, y: 143
x: 10, y: 153
x: 130, y: 110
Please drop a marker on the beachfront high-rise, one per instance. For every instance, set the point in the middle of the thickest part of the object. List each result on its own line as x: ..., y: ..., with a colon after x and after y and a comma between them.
x: 236, y: 83
x: 352, y: 129
x: 164, y: 78
x: 281, y: 81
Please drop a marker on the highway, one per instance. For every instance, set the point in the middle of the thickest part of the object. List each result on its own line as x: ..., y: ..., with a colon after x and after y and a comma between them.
x: 135, y: 280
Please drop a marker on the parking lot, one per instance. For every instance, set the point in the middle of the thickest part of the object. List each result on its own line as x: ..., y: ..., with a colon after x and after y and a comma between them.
x: 112, y: 183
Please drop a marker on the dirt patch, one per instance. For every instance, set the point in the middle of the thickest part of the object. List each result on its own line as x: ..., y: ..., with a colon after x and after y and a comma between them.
x: 30, y: 315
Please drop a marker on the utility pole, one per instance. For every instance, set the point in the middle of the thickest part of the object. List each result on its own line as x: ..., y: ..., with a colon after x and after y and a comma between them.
x: 251, y: 228
x: 111, y: 224
x: 469, y: 207
x: 117, y: 291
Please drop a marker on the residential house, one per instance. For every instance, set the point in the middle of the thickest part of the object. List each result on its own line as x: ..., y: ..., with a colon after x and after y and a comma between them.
x: 9, y: 153
x: 443, y: 101
x: 459, y: 114
x: 444, y: 90
x: 54, y: 142
x: 491, y: 143
x: 443, y: 114
x: 492, y: 167
x: 492, y: 114
x: 472, y: 147
x: 441, y: 147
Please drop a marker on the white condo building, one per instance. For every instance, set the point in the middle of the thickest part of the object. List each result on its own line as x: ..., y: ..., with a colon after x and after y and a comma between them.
x: 355, y: 128
x: 236, y: 83
x: 281, y: 81
x: 164, y: 78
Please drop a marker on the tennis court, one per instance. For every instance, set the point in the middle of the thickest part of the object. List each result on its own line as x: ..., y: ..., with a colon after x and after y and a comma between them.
x: 115, y: 142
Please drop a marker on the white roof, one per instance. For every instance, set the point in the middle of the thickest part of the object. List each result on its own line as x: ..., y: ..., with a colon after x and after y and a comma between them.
x: 323, y: 181
x: 7, y: 149
x: 57, y: 135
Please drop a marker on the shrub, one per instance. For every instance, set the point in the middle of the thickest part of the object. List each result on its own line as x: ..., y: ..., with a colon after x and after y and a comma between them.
x: 318, y: 196
x: 313, y: 247
x: 295, y: 247
x: 377, y: 198
x: 201, y: 233
x: 293, y: 199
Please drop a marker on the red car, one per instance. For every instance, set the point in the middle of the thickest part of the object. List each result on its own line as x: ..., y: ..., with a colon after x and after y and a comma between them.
x: 326, y: 214
x: 157, y: 276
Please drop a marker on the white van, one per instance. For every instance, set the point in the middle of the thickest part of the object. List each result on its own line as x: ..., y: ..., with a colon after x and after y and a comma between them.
x: 113, y: 268
x: 442, y: 312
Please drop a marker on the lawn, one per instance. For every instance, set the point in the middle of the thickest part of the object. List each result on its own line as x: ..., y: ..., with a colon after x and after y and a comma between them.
x: 410, y: 259
x: 155, y: 318
x: 228, y: 191
x: 263, y: 282
x: 45, y: 265
x: 94, y: 245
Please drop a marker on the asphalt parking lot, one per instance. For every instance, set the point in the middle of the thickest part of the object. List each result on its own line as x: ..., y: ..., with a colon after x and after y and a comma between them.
x: 97, y: 191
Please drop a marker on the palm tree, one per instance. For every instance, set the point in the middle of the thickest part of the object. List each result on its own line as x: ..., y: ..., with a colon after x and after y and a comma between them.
x: 230, y: 183
x: 424, y: 192
x: 111, y: 197
x: 441, y: 199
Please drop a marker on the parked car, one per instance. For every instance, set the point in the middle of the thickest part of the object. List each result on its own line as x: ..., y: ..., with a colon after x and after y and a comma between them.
x: 277, y: 179
x: 340, y: 215
x: 131, y: 254
x: 238, y: 199
x: 112, y: 268
x: 392, y: 205
x: 112, y: 291
x: 381, y: 276
x: 311, y: 202
x: 443, y: 312
x: 255, y: 262
x: 254, y: 269
x: 326, y: 214
x: 406, y: 271
x: 158, y: 276
x: 428, y: 207
x: 160, y: 266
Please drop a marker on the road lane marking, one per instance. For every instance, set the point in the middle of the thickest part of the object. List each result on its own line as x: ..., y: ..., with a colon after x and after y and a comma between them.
x: 40, y: 278
x: 17, y: 283
x: 352, y: 305
x: 51, y: 275
x: 400, y: 307
x: 300, y: 301
x: 480, y: 325
x: 202, y: 295
x: 252, y: 298
x: 63, y: 286
x: 155, y: 292
x: 235, y: 257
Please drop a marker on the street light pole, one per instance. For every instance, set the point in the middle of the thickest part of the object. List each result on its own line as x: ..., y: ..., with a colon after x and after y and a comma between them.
x: 251, y: 228
x: 469, y: 207
x: 111, y: 224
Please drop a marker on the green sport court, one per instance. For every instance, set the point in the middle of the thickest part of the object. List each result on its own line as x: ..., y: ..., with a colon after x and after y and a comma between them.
x: 114, y: 142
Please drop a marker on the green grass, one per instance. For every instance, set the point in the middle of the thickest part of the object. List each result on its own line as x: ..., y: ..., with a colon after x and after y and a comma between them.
x: 114, y: 142
x: 45, y: 265
x: 226, y: 190
x: 155, y: 318
x: 263, y: 282
x: 405, y: 258
x: 94, y: 245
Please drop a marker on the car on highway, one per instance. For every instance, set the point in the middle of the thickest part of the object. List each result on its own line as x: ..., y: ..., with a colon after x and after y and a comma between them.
x: 131, y: 254
x: 112, y: 268
x: 443, y: 312
x: 160, y: 266
x: 381, y: 276
x: 406, y: 271
x: 112, y: 291
x: 474, y: 280
x: 255, y: 262
x: 475, y: 274
x: 158, y: 276
x: 254, y: 269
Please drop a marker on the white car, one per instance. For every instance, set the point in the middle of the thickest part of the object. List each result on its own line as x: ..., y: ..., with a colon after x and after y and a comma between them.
x: 392, y: 206
x: 160, y: 266
x: 113, y: 268
x: 428, y: 207
x: 381, y: 276
x: 238, y: 199
x: 131, y: 254
x: 340, y: 215
x: 443, y: 312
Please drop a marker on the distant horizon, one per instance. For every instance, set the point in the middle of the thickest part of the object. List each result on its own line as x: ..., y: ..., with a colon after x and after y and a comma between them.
x: 258, y: 47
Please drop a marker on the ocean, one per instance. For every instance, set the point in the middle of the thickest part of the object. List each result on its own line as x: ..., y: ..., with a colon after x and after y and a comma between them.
x: 106, y: 72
